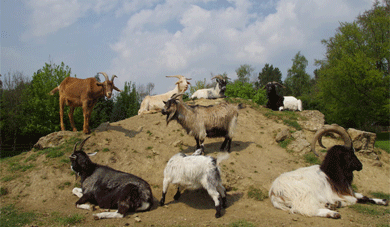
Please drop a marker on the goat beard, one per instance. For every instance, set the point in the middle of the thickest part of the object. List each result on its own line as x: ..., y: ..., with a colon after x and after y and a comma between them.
x: 170, y: 117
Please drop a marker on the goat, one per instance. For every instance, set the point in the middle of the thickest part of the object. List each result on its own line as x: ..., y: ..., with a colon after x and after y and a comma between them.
x: 275, y: 101
x: 291, y: 103
x: 152, y: 104
x: 108, y: 188
x: 193, y: 172
x: 319, y: 189
x: 212, y: 93
x: 203, y: 121
x: 76, y: 92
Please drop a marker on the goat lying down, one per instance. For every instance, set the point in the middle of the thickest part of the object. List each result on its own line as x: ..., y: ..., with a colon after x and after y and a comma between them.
x: 275, y: 101
x: 108, y: 188
x: 193, y: 172
x: 212, y: 93
x: 203, y: 121
x: 319, y: 189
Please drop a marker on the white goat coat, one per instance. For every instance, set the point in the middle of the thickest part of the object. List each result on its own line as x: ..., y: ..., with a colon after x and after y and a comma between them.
x: 305, y: 191
x: 291, y: 103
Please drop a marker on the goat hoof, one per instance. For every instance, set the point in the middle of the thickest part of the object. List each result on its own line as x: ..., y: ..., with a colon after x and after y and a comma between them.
x: 218, y: 215
x: 162, y: 203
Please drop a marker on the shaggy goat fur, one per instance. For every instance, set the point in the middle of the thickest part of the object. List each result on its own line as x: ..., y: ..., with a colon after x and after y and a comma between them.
x: 291, y: 103
x: 193, y: 172
x: 108, y: 188
x: 204, y: 121
x: 152, y: 104
x: 76, y: 92
x: 319, y: 189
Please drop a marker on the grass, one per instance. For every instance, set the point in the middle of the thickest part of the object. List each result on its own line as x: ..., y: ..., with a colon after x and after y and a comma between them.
x: 370, y: 210
x: 3, y: 191
x: 67, y: 220
x: 383, y: 141
x: 241, y: 223
x: 312, y: 159
x: 380, y: 195
x: 11, y: 217
x: 257, y: 194
x: 285, y: 143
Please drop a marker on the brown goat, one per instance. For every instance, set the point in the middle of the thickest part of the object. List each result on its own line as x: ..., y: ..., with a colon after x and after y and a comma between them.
x: 76, y: 92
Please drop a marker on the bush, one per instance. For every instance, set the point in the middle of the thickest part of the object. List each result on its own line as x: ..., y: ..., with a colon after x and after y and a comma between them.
x: 246, y: 91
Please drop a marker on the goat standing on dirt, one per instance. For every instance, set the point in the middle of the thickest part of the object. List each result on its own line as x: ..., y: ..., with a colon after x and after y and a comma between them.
x: 76, y: 92
x: 203, y: 121
x: 318, y: 190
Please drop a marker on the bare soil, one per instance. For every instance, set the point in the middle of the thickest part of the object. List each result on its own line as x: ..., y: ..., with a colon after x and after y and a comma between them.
x: 142, y: 145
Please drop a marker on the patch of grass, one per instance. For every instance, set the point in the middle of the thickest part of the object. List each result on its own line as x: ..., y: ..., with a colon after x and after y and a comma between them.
x: 383, y: 141
x: 380, y: 195
x: 11, y: 217
x: 285, y: 142
x: 9, y: 178
x: 3, y: 191
x: 67, y: 220
x: 312, y: 159
x: 149, y: 148
x: 370, y: 210
x: 16, y: 166
x: 149, y: 132
x: 32, y: 157
x: 241, y: 223
x: 106, y: 149
x: 257, y: 194
x: 292, y: 123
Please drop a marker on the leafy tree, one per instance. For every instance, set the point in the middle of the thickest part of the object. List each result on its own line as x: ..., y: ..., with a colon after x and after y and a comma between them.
x: 268, y: 74
x: 297, y: 81
x: 244, y: 73
x: 127, y: 103
x: 246, y: 91
x: 354, y: 78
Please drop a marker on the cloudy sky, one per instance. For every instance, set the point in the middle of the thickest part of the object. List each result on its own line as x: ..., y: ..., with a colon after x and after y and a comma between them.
x: 143, y: 41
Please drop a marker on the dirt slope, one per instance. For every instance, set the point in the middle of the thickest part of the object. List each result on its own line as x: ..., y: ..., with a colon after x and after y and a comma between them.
x: 142, y: 145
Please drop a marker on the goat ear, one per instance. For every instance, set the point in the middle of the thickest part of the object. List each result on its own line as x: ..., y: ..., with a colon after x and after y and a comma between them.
x: 117, y: 89
x: 188, y: 82
x: 164, y: 102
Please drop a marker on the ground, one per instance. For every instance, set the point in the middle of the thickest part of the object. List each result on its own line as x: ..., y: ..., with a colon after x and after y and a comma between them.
x: 142, y: 145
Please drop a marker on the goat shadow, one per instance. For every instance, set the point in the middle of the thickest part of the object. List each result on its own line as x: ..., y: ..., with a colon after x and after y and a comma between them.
x: 200, y: 199
x: 128, y: 133
x: 236, y: 146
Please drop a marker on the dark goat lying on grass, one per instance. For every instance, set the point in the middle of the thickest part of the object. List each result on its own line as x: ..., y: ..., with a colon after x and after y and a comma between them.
x: 108, y: 188
x: 319, y: 189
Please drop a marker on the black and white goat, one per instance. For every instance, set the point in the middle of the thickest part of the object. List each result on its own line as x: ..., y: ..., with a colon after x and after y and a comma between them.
x: 319, y: 189
x: 203, y: 121
x: 212, y: 93
x: 193, y: 172
x: 275, y: 101
x: 108, y: 188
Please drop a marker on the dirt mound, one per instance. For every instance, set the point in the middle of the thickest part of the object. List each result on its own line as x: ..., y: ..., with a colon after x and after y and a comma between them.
x: 142, y: 145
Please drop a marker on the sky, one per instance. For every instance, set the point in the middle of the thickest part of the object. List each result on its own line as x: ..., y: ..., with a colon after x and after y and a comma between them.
x: 143, y: 41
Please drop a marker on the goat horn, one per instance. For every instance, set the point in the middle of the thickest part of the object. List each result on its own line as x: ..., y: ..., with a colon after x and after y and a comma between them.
x: 104, y: 74
x: 218, y: 76
x: 177, y: 76
x: 82, y: 143
x: 274, y: 82
x: 112, y: 78
x: 174, y: 96
x: 74, y: 148
x: 331, y: 128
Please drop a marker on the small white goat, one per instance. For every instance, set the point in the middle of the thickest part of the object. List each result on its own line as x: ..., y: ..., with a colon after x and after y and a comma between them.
x: 193, y: 172
x: 152, y: 104
x: 291, y: 103
x: 212, y: 93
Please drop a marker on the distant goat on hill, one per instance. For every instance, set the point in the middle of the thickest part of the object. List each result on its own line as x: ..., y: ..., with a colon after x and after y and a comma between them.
x: 75, y: 92
x: 212, y: 93
x: 275, y: 101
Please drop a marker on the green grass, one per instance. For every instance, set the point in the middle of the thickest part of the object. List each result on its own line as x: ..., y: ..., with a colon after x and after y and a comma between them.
x: 312, y: 159
x: 370, y: 210
x: 67, y: 220
x: 11, y: 217
x: 383, y: 141
x: 257, y: 194
x: 285, y: 143
x: 241, y: 223
x: 3, y: 191
x: 380, y: 195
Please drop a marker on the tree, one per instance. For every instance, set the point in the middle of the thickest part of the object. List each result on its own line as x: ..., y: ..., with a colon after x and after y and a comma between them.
x: 127, y: 103
x: 268, y: 74
x: 244, y: 73
x: 354, y: 78
x: 297, y: 80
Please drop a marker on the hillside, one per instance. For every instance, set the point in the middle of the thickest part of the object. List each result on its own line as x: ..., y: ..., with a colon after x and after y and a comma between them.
x: 41, y: 182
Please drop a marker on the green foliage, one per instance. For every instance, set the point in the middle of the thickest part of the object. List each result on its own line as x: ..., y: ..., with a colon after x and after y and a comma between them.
x: 245, y: 91
x: 312, y: 159
x: 126, y: 104
x: 292, y: 123
x: 297, y: 81
x: 285, y: 143
x: 257, y: 194
x: 383, y: 141
x: 11, y: 217
x: 244, y: 73
x: 268, y: 74
x: 354, y: 80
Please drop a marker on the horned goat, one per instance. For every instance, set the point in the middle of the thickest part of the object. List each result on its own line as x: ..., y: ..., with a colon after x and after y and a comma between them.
x: 152, y: 104
x: 275, y: 101
x: 319, y: 189
x: 203, y: 121
x: 291, y: 103
x: 76, y: 92
x: 193, y: 172
x: 108, y: 188
x: 212, y: 93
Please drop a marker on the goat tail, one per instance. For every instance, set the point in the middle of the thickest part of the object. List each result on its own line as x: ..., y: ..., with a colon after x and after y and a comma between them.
x: 222, y: 157
x: 52, y: 92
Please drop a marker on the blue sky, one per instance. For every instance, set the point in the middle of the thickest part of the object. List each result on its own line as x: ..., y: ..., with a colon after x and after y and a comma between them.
x: 143, y: 41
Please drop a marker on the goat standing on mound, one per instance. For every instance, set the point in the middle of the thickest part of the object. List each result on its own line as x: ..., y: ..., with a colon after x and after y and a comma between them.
x: 319, y: 189
x: 108, y: 188
x: 193, y: 172
x: 76, y: 92
x: 203, y: 121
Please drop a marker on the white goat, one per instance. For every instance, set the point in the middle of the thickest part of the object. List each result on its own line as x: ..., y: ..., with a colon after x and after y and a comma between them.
x: 291, y: 103
x: 212, y: 93
x: 152, y: 104
x: 193, y: 172
x: 319, y: 189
